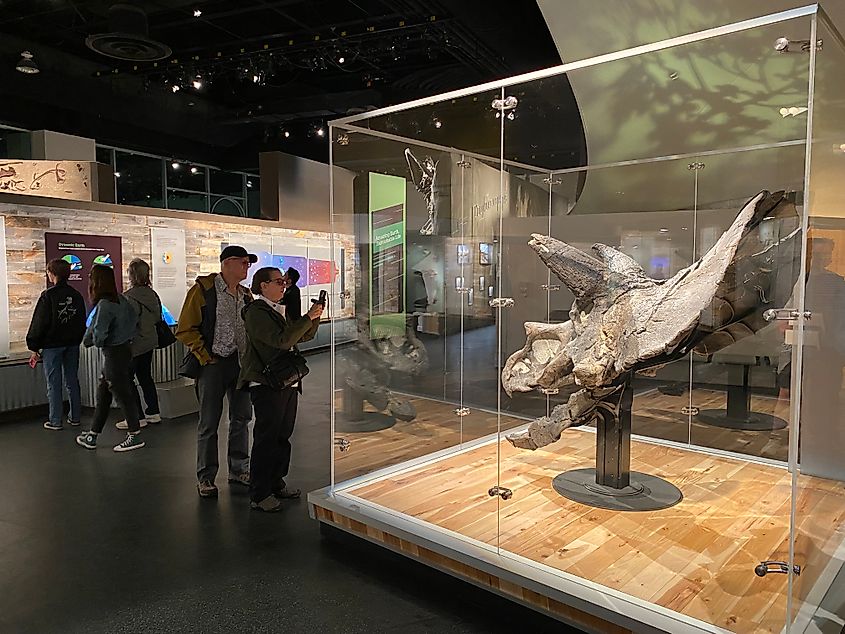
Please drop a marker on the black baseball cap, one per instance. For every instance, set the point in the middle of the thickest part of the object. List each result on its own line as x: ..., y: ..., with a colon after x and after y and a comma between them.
x: 234, y: 251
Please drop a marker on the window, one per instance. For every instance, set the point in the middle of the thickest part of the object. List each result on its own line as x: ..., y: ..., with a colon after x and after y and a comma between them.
x: 139, y: 180
x: 253, y: 196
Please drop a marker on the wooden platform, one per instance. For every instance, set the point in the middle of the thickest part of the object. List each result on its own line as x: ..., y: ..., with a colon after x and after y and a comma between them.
x: 655, y: 415
x: 696, y: 558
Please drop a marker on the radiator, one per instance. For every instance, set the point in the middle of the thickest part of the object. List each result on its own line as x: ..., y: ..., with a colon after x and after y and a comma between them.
x: 166, y: 364
x: 21, y: 386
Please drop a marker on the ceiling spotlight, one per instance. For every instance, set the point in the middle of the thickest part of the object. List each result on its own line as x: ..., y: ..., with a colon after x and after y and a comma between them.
x: 27, y: 65
x: 663, y: 230
x: 194, y: 170
x: 197, y: 13
x: 321, y: 132
x: 286, y: 134
x: 175, y: 87
x: 249, y: 183
x: 175, y: 165
x: 197, y: 83
x: 437, y: 123
x: 341, y: 59
x: 117, y: 174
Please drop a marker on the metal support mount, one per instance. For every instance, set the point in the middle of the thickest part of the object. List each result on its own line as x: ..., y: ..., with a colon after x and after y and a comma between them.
x: 549, y: 180
x: 501, y: 302
x: 695, y: 166
x: 780, y: 567
x: 464, y: 164
x: 502, y: 105
x: 550, y: 287
x: 343, y: 444
x: 785, y: 314
x: 462, y: 411
x: 502, y: 492
x: 611, y: 484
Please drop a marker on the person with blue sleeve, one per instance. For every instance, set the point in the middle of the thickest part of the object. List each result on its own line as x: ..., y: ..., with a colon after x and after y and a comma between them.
x: 114, y: 325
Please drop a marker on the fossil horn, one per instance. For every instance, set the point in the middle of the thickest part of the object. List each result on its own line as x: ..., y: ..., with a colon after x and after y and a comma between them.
x: 583, y: 274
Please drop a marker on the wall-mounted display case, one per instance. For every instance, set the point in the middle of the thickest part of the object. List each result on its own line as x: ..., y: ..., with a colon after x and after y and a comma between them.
x: 723, y: 396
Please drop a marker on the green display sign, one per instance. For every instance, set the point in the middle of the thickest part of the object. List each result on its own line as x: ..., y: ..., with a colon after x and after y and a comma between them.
x: 387, y: 255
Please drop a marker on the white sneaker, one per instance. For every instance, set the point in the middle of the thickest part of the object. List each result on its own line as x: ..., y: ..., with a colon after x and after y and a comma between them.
x: 124, y: 425
x: 153, y: 418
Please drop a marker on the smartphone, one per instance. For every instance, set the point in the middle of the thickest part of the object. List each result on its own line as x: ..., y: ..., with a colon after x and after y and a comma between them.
x: 33, y: 361
x: 324, y: 296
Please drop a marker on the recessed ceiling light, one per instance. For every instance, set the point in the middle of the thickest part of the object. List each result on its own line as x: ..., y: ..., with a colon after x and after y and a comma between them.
x: 249, y: 183
x: 194, y: 170
x: 663, y: 230
x: 683, y: 229
x: 197, y: 83
x: 117, y: 174
x: 175, y: 88
x: 286, y: 134
x: 341, y: 59
x: 321, y: 132
x: 197, y: 13
x: 175, y: 165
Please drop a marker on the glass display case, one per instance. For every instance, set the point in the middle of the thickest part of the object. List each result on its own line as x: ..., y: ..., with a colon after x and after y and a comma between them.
x: 691, y: 367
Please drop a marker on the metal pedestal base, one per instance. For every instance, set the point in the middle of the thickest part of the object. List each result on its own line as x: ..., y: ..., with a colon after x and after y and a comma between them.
x: 644, y: 493
x: 364, y: 422
x: 751, y: 421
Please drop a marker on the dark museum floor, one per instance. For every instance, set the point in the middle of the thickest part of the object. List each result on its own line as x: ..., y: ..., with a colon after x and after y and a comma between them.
x: 104, y: 542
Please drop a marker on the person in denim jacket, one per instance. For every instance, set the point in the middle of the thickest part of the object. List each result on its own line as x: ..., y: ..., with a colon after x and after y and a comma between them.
x: 114, y: 324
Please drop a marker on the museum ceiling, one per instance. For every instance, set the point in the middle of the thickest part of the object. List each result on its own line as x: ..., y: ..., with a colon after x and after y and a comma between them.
x: 222, y: 81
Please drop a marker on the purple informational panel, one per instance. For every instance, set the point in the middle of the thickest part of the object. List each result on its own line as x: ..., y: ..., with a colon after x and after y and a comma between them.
x: 82, y: 252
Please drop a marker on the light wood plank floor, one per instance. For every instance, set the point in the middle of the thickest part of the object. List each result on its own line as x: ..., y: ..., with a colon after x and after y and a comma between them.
x: 696, y: 558
x: 655, y: 415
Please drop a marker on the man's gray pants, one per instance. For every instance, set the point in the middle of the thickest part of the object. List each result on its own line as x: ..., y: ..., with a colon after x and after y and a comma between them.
x: 215, y: 381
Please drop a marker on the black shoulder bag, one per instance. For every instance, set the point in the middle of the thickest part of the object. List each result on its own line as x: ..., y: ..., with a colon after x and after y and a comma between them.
x: 285, y: 369
x: 164, y: 335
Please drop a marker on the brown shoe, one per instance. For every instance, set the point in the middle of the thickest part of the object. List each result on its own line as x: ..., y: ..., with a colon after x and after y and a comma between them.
x: 267, y: 505
x: 239, y: 478
x: 206, y: 489
x: 286, y: 493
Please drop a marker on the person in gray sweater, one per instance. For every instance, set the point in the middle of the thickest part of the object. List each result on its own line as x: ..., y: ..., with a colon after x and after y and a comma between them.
x: 112, y: 329
x: 148, y: 306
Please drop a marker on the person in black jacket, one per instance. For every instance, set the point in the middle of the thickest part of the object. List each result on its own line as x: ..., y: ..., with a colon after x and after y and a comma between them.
x: 56, y: 330
x: 291, y: 300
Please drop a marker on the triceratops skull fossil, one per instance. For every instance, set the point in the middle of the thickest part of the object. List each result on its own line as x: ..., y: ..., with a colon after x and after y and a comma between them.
x: 623, y: 321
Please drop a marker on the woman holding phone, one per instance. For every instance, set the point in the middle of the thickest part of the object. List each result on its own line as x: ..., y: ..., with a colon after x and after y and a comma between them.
x: 270, y: 336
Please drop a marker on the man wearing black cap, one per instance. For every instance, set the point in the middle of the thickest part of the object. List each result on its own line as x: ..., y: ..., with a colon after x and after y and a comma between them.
x: 212, y: 328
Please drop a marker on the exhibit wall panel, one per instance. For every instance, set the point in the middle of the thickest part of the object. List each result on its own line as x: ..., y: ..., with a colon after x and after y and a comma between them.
x: 27, y: 224
x: 4, y: 292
